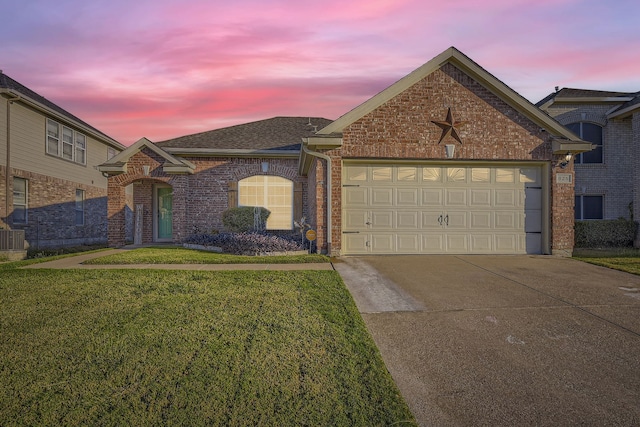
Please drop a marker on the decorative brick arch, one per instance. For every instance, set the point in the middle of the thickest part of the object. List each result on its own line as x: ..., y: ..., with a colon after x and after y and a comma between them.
x: 275, y: 169
x: 585, y: 117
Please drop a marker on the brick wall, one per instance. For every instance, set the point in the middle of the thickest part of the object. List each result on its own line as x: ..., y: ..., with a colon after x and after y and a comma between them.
x: 611, y: 178
x: 401, y: 128
x: 51, y: 212
x: 198, y: 199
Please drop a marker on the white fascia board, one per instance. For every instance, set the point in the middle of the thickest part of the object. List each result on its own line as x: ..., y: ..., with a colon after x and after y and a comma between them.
x: 563, y: 146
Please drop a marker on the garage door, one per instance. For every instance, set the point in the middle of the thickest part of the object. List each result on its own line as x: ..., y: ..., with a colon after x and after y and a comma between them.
x: 434, y: 209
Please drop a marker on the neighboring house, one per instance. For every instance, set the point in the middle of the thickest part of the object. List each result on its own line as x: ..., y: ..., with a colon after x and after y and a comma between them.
x: 608, y: 177
x: 49, y: 184
x: 447, y: 160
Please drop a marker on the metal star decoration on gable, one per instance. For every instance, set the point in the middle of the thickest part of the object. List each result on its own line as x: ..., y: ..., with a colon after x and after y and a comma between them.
x: 449, y: 127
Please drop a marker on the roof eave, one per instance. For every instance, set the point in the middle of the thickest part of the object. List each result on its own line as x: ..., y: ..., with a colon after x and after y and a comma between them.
x: 208, y: 152
x: 625, y: 112
x: 43, y: 108
x: 562, y: 146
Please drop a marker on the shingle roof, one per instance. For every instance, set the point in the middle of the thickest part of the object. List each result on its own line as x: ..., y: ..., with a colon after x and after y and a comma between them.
x: 277, y: 134
x: 7, y: 82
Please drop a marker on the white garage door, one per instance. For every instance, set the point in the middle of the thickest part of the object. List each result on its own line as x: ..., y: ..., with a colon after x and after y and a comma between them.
x: 433, y: 209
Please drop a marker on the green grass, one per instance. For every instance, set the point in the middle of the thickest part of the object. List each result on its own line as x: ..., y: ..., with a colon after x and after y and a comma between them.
x: 149, y: 348
x: 623, y: 259
x: 176, y: 255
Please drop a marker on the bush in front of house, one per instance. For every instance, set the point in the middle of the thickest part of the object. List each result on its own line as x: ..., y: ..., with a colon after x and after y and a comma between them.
x: 605, y: 233
x: 242, y: 219
x: 246, y: 243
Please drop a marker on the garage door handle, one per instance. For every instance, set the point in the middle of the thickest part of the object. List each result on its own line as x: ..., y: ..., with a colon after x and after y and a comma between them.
x: 446, y: 220
x: 440, y: 220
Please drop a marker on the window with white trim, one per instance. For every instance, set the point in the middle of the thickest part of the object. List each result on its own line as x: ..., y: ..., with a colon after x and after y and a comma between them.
x: 79, y: 208
x: 271, y: 192
x: 592, y: 133
x: 64, y: 142
x: 20, y: 200
x: 589, y: 207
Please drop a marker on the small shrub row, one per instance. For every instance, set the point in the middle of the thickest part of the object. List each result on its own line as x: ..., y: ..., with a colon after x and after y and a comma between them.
x: 246, y: 243
x: 605, y: 233
x: 242, y: 219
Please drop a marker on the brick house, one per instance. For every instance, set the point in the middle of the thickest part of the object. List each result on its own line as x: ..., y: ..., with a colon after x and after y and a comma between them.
x: 607, y: 184
x: 49, y: 184
x: 446, y: 160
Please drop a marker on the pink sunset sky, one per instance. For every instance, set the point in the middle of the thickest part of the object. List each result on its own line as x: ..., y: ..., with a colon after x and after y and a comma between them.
x: 166, y: 68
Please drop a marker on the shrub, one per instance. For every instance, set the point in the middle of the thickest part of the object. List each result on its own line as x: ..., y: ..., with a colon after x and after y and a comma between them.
x: 245, y: 243
x: 242, y: 219
x: 605, y: 233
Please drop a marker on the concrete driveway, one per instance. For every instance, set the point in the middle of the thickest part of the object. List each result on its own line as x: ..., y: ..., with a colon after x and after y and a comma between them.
x: 504, y: 340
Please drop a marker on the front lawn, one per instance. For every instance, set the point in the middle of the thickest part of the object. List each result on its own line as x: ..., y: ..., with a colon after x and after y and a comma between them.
x: 148, y: 348
x: 624, y: 259
x: 176, y: 255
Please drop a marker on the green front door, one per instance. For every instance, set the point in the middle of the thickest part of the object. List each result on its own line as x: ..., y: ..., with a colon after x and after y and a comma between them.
x: 165, y: 213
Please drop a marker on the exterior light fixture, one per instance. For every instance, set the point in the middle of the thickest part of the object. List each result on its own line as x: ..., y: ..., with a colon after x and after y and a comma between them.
x: 449, y: 150
x: 567, y: 159
x: 146, y: 169
x: 265, y: 167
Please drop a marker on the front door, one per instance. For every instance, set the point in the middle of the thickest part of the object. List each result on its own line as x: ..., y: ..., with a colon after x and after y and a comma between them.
x: 164, y: 213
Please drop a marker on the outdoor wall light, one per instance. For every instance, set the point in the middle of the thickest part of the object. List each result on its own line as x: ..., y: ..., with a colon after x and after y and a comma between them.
x: 567, y: 159
x: 449, y: 150
x: 265, y: 167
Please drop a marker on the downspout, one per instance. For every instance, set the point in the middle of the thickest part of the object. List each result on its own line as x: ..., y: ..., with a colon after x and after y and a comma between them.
x: 328, y: 160
x: 7, y: 177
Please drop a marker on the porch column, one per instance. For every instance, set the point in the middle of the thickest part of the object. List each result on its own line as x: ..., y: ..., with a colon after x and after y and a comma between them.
x: 181, y: 229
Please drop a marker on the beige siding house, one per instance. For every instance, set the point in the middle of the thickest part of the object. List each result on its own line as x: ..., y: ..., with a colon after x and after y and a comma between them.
x: 49, y: 184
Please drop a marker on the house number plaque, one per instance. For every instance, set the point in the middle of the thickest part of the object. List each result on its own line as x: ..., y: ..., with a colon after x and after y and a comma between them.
x: 564, y: 178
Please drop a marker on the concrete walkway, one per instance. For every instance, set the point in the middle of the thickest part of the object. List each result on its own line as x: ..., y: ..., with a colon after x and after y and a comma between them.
x: 76, y: 262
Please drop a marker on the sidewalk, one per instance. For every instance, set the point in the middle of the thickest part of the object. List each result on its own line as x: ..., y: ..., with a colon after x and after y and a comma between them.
x: 76, y: 262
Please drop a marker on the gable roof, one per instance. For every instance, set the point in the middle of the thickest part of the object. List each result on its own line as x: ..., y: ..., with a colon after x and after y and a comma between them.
x: 118, y: 164
x: 464, y: 63
x: 13, y: 88
x: 278, y: 135
x: 627, y: 102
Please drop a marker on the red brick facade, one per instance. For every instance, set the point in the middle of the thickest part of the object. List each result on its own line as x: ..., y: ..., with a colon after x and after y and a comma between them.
x: 198, y: 199
x: 401, y: 128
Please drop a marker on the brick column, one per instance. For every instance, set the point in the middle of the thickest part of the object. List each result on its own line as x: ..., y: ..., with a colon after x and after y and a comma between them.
x: 181, y: 229
x: 116, y: 213
x: 562, y: 210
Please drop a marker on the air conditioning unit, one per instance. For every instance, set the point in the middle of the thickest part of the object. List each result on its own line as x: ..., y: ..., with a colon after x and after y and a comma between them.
x: 12, y: 240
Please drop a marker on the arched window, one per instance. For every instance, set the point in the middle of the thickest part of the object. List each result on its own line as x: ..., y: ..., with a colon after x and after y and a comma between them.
x: 592, y: 133
x: 272, y: 192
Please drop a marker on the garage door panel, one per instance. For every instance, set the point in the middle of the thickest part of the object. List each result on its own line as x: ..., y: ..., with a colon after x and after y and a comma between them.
x: 481, y: 220
x: 433, y: 243
x: 355, y: 219
x: 408, y: 243
x: 355, y: 243
x: 381, y: 219
x: 506, y: 243
x: 456, y: 197
x: 381, y: 197
x: 480, y: 198
x: 457, y: 243
x: 407, y: 197
x: 481, y: 243
x: 505, y: 198
x: 457, y: 220
x: 432, y: 197
x: 382, y: 243
x: 407, y: 219
x: 533, y: 243
x: 356, y: 196
x: 432, y: 220
x: 506, y: 220
x: 533, y: 198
